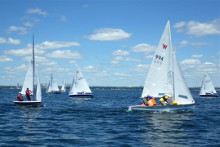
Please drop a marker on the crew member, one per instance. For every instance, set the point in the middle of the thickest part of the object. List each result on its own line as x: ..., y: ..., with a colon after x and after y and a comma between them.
x: 19, y: 96
x: 28, y: 93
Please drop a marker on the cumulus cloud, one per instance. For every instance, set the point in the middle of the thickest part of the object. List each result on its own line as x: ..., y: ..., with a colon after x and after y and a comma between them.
x: 194, y: 44
x: 199, y: 29
x: 143, y: 47
x: 9, y: 41
x: 120, y: 53
x: 5, y: 59
x: 190, y: 62
x: 40, y: 60
x: 20, y: 30
x: 197, y: 56
x: 109, y: 34
x: 18, y: 69
x: 41, y: 48
x: 90, y: 69
x: 36, y: 11
x: 142, y: 67
x: 64, y: 54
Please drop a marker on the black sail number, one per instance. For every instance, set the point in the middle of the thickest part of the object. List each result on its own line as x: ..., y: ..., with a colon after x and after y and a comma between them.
x: 158, y: 59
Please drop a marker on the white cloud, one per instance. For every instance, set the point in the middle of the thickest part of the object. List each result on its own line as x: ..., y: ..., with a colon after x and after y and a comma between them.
x: 18, y: 69
x: 20, y: 30
x: 63, y: 18
x: 194, y: 44
x: 143, y: 47
x: 90, y: 69
x: 142, y: 67
x: 40, y: 60
x: 190, y: 62
x: 197, y: 56
x: 9, y: 41
x: 64, y: 54
x: 199, y: 29
x: 40, y: 48
x: 28, y: 24
x: 36, y: 11
x: 121, y: 74
x: 109, y: 34
x: 120, y: 53
x: 5, y: 59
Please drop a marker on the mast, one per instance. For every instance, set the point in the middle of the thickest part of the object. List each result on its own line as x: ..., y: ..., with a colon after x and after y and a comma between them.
x: 33, y: 60
x: 172, y: 64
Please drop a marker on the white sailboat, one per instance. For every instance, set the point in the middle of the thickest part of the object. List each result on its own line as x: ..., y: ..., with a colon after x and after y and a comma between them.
x: 63, y: 88
x: 29, y: 83
x: 207, y: 88
x: 79, y: 87
x: 165, y: 77
x: 52, y: 86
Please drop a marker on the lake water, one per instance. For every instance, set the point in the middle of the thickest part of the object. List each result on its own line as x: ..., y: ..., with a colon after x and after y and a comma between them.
x: 105, y: 121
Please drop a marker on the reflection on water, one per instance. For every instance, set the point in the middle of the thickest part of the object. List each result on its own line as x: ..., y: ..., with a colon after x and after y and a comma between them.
x: 165, y: 129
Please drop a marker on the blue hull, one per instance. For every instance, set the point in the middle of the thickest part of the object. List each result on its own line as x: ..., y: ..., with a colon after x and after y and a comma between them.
x: 209, y: 95
x: 162, y: 108
x: 28, y: 103
x: 54, y: 92
x: 81, y: 95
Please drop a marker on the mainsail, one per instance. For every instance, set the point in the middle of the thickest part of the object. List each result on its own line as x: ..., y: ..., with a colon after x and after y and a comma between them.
x: 164, y: 76
x: 79, y: 84
x: 207, y: 86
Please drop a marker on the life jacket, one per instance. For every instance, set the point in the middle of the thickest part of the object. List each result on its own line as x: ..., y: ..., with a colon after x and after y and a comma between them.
x: 28, y: 92
x: 162, y: 102
x: 152, y: 102
x: 19, y: 97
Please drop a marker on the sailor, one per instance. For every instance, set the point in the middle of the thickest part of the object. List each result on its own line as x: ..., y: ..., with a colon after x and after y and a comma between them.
x: 166, y: 100
x: 149, y: 101
x: 28, y: 93
x: 19, y: 96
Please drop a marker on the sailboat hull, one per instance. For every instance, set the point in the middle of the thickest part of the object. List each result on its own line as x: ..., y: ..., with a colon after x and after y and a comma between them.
x: 81, y: 95
x: 54, y: 92
x: 27, y: 102
x: 209, y: 95
x: 162, y: 108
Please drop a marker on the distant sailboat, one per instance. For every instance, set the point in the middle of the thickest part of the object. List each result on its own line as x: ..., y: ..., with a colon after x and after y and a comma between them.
x: 165, y: 77
x: 79, y: 87
x: 63, y: 88
x: 207, y: 88
x: 52, y: 87
x: 29, y: 83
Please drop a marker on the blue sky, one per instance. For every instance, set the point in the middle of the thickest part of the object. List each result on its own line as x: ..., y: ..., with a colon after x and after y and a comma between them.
x: 112, y: 41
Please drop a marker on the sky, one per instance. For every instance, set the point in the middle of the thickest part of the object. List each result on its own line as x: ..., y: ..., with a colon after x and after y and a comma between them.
x: 112, y: 41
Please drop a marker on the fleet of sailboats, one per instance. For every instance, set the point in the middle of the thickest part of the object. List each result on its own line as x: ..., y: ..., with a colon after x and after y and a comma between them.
x: 79, y: 87
x: 165, y: 77
x: 207, y: 88
x: 52, y: 87
x: 29, y: 83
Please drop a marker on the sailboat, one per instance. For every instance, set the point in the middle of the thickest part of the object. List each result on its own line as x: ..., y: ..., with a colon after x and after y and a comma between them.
x: 63, y: 88
x: 29, y: 83
x: 52, y: 87
x: 79, y: 87
x: 165, y: 77
x: 207, y: 88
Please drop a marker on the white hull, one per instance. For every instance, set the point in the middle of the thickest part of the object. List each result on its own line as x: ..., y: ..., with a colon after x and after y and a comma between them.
x: 161, y: 108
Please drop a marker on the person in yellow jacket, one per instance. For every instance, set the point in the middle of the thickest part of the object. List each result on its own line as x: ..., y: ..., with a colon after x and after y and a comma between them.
x: 166, y: 100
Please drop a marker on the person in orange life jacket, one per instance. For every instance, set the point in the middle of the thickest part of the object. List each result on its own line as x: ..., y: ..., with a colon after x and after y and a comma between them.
x: 149, y: 101
x: 19, y: 96
x: 28, y: 93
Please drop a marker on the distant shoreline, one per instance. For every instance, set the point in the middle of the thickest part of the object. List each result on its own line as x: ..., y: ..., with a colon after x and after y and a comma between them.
x: 108, y: 87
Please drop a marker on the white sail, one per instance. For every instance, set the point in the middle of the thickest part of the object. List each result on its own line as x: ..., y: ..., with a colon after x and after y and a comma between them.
x: 52, y: 86
x: 38, y: 92
x: 207, y: 86
x: 28, y: 82
x: 157, y: 82
x: 164, y: 76
x: 63, y: 88
x: 79, y: 84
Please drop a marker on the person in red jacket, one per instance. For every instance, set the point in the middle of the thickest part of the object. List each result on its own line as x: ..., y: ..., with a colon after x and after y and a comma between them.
x: 28, y: 93
x: 19, y: 96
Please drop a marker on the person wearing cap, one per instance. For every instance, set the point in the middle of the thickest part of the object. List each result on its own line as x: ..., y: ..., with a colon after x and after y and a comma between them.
x: 19, y: 96
x: 166, y: 100
x: 28, y: 93
x: 149, y: 101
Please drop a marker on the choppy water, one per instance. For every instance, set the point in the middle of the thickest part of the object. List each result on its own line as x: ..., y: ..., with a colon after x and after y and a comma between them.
x: 104, y: 121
